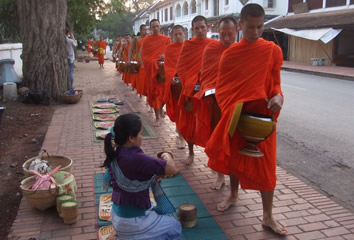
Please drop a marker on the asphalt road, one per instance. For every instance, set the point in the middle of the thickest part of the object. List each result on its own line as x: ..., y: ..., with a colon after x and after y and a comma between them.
x: 316, y: 133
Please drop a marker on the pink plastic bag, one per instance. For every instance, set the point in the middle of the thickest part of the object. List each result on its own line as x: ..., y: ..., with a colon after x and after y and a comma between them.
x: 45, y: 182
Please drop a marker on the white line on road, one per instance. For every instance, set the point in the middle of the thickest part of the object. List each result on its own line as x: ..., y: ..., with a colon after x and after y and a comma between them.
x: 286, y: 85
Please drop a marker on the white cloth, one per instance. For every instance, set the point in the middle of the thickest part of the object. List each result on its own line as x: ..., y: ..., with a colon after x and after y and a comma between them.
x: 149, y: 227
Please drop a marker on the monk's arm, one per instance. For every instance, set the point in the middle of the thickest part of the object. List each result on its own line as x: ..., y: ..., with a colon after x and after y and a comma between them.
x: 276, y: 102
x: 141, y: 54
x: 131, y: 49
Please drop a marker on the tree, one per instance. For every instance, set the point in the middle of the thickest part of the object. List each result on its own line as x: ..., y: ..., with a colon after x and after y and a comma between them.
x: 116, y: 23
x: 8, y: 21
x: 44, y: 55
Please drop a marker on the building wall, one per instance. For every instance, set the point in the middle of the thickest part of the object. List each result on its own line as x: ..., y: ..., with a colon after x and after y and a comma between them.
x: 302, y: 50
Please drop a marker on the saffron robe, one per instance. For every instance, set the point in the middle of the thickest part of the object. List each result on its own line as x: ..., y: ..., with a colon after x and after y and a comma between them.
x: 140, y: 77
x: 249, y: 73
x: 95, y: 46
x: 188, y: 67
x: 154, y: 46
x: 101, y: 51
x: 126, y: 76
x: 89, y: 42
x: 206, y: 109
x: 171, y: 57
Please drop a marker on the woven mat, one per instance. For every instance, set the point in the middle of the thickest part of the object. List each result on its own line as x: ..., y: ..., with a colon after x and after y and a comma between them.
x: 178, y: 192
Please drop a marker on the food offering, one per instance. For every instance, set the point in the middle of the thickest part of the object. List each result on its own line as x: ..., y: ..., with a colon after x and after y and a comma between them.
x: 105, y: 117
x: 104, y: 111
x: 104, y: 105
x: 101, y: 134
x: 103, y: 125
x: 105, y: 207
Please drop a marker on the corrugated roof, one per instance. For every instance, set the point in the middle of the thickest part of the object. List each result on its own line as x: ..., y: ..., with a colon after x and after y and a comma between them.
x: 336, y: 19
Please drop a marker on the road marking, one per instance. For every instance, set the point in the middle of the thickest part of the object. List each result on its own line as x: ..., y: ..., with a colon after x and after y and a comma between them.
x: 290, y: 86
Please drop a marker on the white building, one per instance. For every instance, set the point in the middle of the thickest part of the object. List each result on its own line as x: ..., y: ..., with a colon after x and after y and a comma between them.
x: 173, y: 12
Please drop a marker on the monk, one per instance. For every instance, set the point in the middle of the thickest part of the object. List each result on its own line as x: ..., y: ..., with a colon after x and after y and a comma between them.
x: 188, y: 68
x: 152, y: 50
x: 94, y: 47
x: 115, y: 49
x: 207, y: 110
x: 89, y: 46
x: 101, y: 51
x: 125, y: 51
x: 171, y: 56
x: 249, y: 72
x: 133, y: 55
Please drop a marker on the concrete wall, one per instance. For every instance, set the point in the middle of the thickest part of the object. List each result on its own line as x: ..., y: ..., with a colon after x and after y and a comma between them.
x: 13, y: 51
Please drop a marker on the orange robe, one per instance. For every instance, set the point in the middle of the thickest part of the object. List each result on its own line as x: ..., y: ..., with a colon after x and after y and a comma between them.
x: 89, y: 43
x: 171, y: 57
x: 140, y: 78
x: 94, y: 46
x: 249, y: 73
x: 101, y: 51
x: 126, y: 76
x: 188, y: 67
x: 206, y: 107
x: 154, y: 46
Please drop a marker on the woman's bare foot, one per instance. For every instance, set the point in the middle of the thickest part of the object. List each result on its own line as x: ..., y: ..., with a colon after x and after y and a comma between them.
x: 226, y: 203
x: 219, y: 182
x: 189, y: 160
x: 274, y: 226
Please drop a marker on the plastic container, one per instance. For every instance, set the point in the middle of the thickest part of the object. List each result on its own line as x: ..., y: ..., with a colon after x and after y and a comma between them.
x: 10, y: 91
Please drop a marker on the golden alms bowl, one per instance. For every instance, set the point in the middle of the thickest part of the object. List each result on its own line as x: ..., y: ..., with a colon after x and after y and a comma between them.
x: 255, y: 128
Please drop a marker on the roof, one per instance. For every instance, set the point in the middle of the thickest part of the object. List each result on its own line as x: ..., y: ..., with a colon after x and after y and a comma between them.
x: 336, y: 19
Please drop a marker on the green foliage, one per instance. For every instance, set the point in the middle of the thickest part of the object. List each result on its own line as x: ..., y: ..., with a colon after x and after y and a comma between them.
x: 9, y: 28
x: 114, y: 24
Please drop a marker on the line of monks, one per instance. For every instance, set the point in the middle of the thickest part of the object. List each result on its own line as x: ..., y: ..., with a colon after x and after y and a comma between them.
x: 98, y: 49
x: 201, y: 82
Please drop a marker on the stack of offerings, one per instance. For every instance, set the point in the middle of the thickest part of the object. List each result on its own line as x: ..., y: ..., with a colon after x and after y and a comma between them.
x: 104, y: 115
x: 67, y: 208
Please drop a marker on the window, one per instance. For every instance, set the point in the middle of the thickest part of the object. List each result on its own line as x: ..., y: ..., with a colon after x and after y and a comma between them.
x: 269, y: 3
x: 166, y: 14
x: 226, y: 2
x: 158, y: 15
x: 206, y: 4
x: 178, y: 10
x: 185, y: 9
x: 171, y: 11
x: 335, y: 3
x: 216, y: 7
x: 194, y: 6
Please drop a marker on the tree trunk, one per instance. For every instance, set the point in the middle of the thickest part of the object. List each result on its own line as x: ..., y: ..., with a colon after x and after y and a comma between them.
x: 44, y: 54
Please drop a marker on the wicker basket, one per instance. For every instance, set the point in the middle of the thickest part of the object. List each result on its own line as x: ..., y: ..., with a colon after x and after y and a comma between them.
x: 72, y: 98
x: 53, y: 161
x: 40, y: 199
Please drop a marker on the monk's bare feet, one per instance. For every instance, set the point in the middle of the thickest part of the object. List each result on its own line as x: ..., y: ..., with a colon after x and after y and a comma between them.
x: 181, y: 144
x: 189, y: 160
x: 163, y: 114
x: 226, y: 203
x: 157, y: 123
x: 219, y: 182
x: 274, y: 226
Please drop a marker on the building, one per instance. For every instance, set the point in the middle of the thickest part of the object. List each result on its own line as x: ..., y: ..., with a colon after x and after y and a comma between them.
x: 173, y: 12
x: 316, y: 29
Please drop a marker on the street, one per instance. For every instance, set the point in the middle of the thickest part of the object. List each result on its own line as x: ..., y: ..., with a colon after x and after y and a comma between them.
x: 316, y: 133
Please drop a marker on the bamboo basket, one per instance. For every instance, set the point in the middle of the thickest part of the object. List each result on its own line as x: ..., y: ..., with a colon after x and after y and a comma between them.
x: 53, y: 161
x: 71, y: 99
x: 61, y: 199
x: 69, y: 211
x: 40, y: 199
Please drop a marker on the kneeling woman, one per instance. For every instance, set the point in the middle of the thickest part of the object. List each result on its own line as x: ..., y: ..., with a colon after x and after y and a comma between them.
x: 132, y: 173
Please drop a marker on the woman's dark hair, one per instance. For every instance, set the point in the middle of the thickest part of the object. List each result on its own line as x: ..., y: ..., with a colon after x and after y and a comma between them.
x: 125, y: 126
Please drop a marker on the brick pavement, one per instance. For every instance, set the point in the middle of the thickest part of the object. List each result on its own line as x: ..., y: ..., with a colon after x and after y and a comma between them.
x: 307, y: 213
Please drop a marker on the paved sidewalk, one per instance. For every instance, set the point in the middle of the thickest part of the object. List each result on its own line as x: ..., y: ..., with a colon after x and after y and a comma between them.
x: 307, y: 213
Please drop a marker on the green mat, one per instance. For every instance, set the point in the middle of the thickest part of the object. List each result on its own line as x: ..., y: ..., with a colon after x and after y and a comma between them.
x: 178, y: 191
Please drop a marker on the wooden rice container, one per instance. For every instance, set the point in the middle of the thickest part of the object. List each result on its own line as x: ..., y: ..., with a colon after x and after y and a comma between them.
x: 39, y: 199
x: 61, y: 199
x: 69, y: 211
x: 187, y: 215
x: 53, y: 161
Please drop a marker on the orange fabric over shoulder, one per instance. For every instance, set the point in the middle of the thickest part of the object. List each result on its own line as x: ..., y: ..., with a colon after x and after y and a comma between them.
x: 188, y: 67
x: 154, y: 46
x: 140, y: 78
x: 126, y: 76
x: 206, y: 107
x: 101, y: 51
x: 248, y: 73
x: 171, y: 57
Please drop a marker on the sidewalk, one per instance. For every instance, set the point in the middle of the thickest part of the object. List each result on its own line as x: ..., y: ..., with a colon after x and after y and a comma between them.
x: 306, y: 213
x: 345, y: 73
